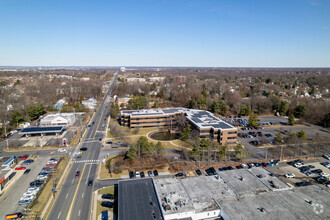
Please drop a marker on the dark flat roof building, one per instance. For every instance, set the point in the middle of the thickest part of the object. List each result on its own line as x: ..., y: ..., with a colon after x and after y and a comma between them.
x: 42, y: 130
x: 137, y: 200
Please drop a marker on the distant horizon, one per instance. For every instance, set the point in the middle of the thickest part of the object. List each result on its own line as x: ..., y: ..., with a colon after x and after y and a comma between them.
x: 199, y: 33
x: 248, y: 67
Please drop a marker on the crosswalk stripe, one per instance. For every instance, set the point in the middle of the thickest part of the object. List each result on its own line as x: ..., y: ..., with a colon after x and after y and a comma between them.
x: 86, y: 161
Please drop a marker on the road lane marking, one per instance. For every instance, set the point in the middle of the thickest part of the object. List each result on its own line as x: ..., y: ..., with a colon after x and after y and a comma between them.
x: 72, y: 180
x: 98, y: 125
x: 90, y: 167
x: 82, y: 195
x: 79, y: 213
x: 66, y: 195
x: 59, y: 214
x: 69, y: 213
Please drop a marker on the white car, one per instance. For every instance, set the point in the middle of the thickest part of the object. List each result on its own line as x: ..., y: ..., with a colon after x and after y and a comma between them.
x: 34, y: 188
x: 325, y: 174
x: 310, y: 174
x: 30, y: 193
x: 62, y: 150
x: 289, y: 175
x: 326, y: 156
x: 243, y: 165
x: 42, y: 177
x: 298, y: 165
x: 137, y: 174
x: 28, y: 197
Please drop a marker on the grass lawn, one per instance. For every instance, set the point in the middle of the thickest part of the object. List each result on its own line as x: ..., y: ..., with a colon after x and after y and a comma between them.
x: 106, y: 190
x: 104, y: 173
x: 40, y: 204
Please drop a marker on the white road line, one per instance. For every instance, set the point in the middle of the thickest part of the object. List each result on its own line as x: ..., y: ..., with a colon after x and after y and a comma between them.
x: 82, y: 195
x: 72, y: 180
x: 90, y: 167
x: 66, y: 195
x: 59, y: 214
x: 79, y: 213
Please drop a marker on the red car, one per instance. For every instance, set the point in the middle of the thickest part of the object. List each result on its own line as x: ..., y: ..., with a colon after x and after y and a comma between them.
x: 20, y: 168
x: 24, y: 157
x: 77, y: 174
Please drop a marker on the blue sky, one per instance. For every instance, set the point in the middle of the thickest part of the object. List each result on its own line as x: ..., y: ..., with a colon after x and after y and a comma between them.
x: 214, y: 33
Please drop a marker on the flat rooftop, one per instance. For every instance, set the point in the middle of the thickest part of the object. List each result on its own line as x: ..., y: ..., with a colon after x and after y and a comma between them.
x: 137, y: 200
x: 200, y: 118
x: 309, y: 202
x: 42, y: 130
x: 191, y: 194
x: 252, y: 181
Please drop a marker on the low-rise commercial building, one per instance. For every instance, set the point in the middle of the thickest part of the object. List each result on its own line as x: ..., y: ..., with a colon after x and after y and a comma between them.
x: 55, y: 119
x: 205, y: 122
x: 234, y: 194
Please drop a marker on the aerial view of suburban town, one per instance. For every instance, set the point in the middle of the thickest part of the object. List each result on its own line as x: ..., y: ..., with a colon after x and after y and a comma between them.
x: 165, y: 110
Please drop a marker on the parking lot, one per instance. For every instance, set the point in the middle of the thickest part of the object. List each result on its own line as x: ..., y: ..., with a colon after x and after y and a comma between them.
x: 9, y: 201
x: 285, y: 168
x: 254, y: 139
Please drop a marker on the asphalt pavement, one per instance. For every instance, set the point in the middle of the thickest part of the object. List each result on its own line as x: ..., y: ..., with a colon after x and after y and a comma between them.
x: 9, y: 201
x: 74, y: 200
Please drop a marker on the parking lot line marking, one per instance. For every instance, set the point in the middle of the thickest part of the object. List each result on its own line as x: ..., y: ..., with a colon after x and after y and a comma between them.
x: 69, y: 213
x: 59, y: 214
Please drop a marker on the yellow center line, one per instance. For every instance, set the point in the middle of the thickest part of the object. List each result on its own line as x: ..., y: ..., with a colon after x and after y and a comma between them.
x: 69, y: 213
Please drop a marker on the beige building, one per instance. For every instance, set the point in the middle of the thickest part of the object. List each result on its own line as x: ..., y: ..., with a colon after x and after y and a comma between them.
x: 205, y: 122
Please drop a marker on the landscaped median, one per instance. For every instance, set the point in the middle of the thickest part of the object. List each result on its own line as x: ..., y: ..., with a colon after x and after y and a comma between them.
x: 39, y: 205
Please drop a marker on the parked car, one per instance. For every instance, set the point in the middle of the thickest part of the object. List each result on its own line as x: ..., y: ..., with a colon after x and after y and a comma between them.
x: 150, y: 173
x: 199, y: 172
x: 179, y: 174
x: 27, y: 197
x: 16, y: 215
x: 325, y: 174
x: 27, y: 171
x: 264, y: 164
x: 243, y: 165
x: 137, y: 174
x: 155, y: 172
x: 298, y: 165
x: 142, y: 174
x: 326, y: 156
x: 37, y: 183
x: 304, y: 183
x: 310, y: 173
x: 24, y: 157
x: 20, y: 168
x: 77, y: 174
x: 108, y: 196
x: 131, y: 174
x: 107, y: 204
x: 289, y: 175
x: 24, y: 202
x: 222, y: 168
x: 317, y: 171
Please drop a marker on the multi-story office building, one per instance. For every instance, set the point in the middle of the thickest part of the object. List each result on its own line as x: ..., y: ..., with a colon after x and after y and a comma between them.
x: 204, y: 121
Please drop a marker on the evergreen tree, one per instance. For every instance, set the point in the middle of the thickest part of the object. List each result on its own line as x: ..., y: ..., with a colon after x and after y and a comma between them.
x: 186, y: 133
x: 300, y: 111
x: 132, y: 153
x: 284, y: 107
x: 291, y: 119
x: 253, y: 120
x: 245, y: 109
x: 278, y: 138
